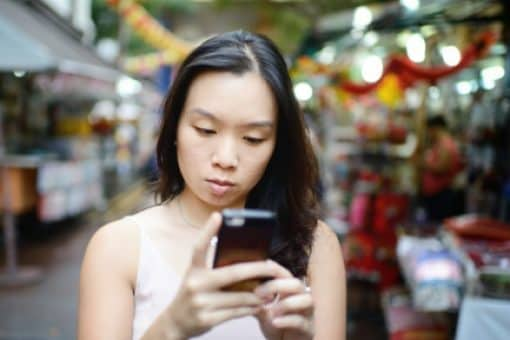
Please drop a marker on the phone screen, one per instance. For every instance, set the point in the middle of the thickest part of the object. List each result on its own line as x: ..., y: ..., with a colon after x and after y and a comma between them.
x: 245, y: 235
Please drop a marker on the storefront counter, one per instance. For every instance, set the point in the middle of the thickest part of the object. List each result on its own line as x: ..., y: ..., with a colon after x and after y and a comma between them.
x: 483, y: 319
x: 55, y: 189
x: 21, y: 177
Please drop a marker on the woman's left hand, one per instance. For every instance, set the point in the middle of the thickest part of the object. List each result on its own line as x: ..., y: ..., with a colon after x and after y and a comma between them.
x: 290, y: 313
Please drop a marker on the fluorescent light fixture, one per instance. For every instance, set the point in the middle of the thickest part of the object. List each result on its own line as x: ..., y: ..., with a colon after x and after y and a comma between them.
x: 303, y: 91
x: 463, y: 87
x: 372, y: 68
x: 498, y: 49
x: 402, y: 38
x: 493, y: 72
x: 434, y: 92
x: 415, y: 48
x: 451, y: 55
x: 488, y: 84
x: 362, y: 17
x: 428, y: 30
x: 127, y: 86
x: 327, y: 55
x: 411, y: 5
x: 371, y: 38
x: 490, y: 75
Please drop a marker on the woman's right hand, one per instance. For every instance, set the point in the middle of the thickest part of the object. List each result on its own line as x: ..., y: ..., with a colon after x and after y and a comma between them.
x: 200, y: 304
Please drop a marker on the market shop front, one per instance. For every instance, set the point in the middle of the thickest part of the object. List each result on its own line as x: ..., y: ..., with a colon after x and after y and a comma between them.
x: 61, y: 151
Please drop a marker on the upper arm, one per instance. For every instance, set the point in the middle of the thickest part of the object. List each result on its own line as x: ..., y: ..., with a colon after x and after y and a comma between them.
x: 106, y: 285
x: 326, y: 272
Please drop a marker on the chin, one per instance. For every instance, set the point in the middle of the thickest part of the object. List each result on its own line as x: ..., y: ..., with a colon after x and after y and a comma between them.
x: 222, y: 202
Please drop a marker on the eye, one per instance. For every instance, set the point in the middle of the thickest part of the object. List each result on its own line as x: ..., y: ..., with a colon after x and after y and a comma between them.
x: 253, y: 141
x: 205, y: 132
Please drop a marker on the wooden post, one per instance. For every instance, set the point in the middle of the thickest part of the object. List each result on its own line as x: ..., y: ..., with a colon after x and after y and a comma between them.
x: 420, y: 119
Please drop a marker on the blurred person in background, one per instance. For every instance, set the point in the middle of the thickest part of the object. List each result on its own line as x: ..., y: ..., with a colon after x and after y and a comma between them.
x: 442, y: 163
x: 232, y: 137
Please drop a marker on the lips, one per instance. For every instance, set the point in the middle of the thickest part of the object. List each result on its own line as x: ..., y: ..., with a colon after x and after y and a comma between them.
x: 220, y: 187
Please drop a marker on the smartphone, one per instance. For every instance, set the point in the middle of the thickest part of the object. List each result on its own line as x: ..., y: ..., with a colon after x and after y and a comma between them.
x: 245, y: 235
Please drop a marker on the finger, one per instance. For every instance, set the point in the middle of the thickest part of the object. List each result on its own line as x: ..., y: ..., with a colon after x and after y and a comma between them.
x: 294, y: 321
x: 283, y: 287
x: 213, y: 318
x: 221, y: 300
x: 300, y: 303
x: 228, y: 275
x: 204, y: 241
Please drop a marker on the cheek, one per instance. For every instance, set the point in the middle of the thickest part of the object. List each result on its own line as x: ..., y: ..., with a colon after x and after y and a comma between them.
x: 190, y: 149
x: 190, y: 156
x: 256, y: 162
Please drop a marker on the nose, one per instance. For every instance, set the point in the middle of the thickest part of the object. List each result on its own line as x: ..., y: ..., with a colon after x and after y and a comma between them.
x: 226, y: 154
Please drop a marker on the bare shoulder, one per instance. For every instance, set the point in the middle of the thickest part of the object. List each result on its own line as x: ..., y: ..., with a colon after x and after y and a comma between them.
x: 123, y: 232
x: 114, y: 246
x: 108, y: 281
x: 325, y: 237
x: 326, y: 252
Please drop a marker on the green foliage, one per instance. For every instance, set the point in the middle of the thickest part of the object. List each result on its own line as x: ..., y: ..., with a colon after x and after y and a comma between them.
x: 108, y: 22
x: 156, y: 7
x: 286, y: 22
x: 289, y: 27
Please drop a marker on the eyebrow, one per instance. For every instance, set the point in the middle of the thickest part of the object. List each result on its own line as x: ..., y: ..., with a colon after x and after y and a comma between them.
x: 204, y: 113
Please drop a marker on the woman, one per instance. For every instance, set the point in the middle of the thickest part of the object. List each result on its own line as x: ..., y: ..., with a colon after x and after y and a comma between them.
x: 232, y: 136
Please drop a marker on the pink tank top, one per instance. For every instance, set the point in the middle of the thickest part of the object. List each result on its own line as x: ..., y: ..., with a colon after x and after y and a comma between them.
x: 156, y: 286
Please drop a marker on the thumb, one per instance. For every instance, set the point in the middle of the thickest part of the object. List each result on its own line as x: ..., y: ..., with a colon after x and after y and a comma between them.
x: 204, y: 241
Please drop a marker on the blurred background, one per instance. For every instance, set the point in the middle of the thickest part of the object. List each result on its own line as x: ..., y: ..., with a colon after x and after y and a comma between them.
x: 422, y: 210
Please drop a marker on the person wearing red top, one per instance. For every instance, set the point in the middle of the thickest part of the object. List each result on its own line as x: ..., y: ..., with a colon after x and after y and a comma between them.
x: 441, y: 164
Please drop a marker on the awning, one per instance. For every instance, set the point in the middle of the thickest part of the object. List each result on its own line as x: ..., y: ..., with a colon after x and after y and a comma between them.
x: 62, y: 42
x: 19, y: 52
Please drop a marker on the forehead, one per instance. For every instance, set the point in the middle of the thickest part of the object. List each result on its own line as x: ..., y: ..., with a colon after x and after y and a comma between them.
x: 227, y: 95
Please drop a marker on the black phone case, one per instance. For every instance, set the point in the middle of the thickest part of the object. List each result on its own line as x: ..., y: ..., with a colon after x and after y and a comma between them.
x: 245, y: 235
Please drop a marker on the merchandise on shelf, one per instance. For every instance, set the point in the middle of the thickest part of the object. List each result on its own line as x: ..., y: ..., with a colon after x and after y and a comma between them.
x: 433, y: 272
x: 478, y: 226
x: 68, y: 188
x: 405, y: 322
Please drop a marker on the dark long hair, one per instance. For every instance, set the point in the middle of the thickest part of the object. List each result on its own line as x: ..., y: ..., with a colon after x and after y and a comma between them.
x: 288, y: 183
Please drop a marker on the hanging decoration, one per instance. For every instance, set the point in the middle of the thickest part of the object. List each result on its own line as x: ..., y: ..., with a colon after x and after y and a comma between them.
x: 390, y: 92
x: 407, y: 72
x: 173, y: 48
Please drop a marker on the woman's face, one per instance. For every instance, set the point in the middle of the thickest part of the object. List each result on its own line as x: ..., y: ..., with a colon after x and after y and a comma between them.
x: 226, y: 136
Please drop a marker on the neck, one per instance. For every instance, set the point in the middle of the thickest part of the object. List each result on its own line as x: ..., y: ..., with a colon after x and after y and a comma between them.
x: 194, y: 211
